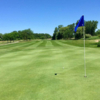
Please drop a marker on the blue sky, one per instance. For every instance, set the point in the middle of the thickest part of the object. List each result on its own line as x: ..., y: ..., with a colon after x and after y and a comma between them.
x: 42, y: 16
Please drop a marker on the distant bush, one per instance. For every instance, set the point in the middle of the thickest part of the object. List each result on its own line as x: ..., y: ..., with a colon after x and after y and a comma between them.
x: 99, y: 35
x: 87, y: 35
x: 93, y: 38
x: 0, y: 39
x: 98, y: 45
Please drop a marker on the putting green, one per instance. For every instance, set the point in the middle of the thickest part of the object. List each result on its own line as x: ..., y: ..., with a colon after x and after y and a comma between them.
x: 27, y: 71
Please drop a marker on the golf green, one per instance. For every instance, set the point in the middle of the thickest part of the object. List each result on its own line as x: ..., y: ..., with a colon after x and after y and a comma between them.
x: 27, y: 71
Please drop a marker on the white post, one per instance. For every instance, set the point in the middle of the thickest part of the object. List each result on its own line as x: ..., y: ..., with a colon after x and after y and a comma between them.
x: 84, y: 53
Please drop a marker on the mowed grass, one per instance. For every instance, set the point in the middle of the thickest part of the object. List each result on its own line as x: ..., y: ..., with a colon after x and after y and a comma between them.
x: 80, y: 43
x: 27, y: 71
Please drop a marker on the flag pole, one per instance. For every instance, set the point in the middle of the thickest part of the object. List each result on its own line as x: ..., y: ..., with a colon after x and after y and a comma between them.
x: 84, y: 52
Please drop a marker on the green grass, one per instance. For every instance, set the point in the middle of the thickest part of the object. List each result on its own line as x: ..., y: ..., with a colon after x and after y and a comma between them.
x: 27, y: 71
x: 80, y: 43
x: 92, y: 38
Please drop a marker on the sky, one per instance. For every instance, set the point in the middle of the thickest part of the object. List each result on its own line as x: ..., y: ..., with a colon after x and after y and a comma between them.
x: 42, y: 16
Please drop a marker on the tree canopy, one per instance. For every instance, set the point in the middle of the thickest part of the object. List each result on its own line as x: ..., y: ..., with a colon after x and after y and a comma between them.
x: 67, y: 32
x: 26, y: 34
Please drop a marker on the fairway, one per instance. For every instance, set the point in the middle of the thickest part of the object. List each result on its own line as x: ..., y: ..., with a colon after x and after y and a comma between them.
x: 27, y: 71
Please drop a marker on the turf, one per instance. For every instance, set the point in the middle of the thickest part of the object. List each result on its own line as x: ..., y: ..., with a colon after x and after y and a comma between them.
x: 80, y: 43
x: 27, y: 71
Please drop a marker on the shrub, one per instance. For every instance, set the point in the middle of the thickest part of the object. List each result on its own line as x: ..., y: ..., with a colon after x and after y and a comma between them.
x: 98, y: 45
x: 99, y: 35
x: 0, y: 39
x: 87, y: 35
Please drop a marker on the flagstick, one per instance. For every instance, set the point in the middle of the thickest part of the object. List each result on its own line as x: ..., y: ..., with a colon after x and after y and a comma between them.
x: 84, y: 53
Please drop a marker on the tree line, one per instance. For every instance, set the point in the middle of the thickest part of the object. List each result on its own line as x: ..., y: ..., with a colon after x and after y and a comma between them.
x: 67, y: 32
x: 26, y: 34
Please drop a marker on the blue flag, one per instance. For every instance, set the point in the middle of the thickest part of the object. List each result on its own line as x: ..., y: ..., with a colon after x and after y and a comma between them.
x: 80, y: 23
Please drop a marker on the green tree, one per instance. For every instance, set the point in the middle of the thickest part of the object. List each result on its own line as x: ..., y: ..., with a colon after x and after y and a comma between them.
x: 71, y: 27
x: 68, y: 34
x: 97, y: 32
x: 19, y: 35
x: 90, y: 27
x: 54, y: 37
x: 59, y: 36
x: 1, y: 36
x: 30, y: 34
x: 6, y: 37
x: 59, y: 26
x: 13, y: 35
x: 27, y: 34
x: 79, y: 33
x: 65, y: 32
